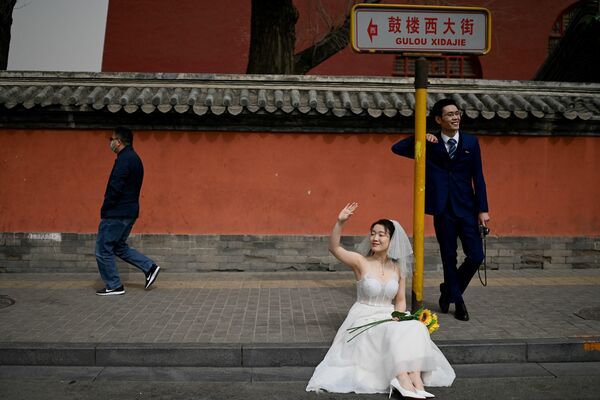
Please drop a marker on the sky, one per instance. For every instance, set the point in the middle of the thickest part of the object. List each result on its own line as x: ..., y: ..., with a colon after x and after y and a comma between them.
x: 57, y: 35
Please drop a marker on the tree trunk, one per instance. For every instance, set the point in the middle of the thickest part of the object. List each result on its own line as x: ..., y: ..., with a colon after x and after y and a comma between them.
x: 6, y: 10
x: 272, y: 37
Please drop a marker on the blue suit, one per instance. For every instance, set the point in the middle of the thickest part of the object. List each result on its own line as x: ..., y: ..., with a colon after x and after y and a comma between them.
x: 455, y: 194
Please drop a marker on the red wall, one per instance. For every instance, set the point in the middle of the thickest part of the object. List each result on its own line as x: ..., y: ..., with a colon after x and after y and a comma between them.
x: 181, y: 36
x: 272, y: 183
x: 214, y: 37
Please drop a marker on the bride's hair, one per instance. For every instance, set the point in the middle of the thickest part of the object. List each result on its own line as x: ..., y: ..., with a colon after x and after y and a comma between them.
x: 387, y: 224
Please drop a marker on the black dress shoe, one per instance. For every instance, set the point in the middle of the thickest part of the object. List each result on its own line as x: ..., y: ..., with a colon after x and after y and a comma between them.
x: 461, y: 312
x: 444, y: 305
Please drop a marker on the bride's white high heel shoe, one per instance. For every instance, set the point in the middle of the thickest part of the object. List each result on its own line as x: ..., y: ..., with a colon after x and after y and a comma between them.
x: 425, y: 394
x: 394, y: 384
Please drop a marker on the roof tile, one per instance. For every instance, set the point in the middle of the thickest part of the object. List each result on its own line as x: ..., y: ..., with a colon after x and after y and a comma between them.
x: 339, y: 97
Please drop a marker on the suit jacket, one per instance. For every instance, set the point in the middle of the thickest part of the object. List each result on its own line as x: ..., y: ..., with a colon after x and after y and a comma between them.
x: 458, y: 181
x: 121, y: 198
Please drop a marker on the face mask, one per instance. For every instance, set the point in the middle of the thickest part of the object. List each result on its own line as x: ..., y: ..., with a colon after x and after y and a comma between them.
x: 113, y: 146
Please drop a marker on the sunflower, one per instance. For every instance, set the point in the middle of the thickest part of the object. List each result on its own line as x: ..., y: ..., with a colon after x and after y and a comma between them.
x: 434, y: 320
x: 433, y: 327
x: 425, y: 317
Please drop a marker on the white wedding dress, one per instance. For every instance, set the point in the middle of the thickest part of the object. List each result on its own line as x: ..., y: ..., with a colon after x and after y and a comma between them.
x: 368, y: 362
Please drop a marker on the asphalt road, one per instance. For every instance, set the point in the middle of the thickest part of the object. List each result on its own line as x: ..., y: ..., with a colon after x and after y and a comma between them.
x: 579, y: 381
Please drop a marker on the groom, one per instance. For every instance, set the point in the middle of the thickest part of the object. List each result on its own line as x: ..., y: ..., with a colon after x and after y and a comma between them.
x: 455, y: 195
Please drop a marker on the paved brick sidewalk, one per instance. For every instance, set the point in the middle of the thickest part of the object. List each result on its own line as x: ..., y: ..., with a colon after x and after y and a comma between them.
x: 299, y: 307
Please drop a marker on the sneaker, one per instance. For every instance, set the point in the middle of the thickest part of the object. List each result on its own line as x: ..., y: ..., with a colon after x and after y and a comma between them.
x: 111, y: 292
x: 151, y: 275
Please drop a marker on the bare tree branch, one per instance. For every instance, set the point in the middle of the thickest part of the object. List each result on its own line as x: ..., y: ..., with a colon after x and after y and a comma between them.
x: 336, y: 40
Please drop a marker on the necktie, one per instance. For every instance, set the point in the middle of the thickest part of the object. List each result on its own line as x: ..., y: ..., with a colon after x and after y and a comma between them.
x: 452, y: 148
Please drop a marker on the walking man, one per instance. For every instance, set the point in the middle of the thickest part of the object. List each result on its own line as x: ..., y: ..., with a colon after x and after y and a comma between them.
x: 118, y: 214
x: 455, y: 194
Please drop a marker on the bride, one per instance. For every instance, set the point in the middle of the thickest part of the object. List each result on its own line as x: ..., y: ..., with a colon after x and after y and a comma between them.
x: 392, y: 355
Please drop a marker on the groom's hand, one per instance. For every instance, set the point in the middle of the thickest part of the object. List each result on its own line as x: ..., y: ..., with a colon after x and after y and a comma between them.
x: 484, y: 218
x: 431, y: 138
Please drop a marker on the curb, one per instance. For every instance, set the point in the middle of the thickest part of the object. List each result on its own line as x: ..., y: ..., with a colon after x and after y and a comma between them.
x: 271, y: 355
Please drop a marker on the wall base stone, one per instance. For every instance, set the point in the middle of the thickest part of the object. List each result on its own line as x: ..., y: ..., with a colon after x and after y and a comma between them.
x: 71, y: 252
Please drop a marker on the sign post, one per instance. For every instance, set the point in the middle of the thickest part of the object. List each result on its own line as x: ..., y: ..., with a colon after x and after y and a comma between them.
x: 421, y: 72
x: 422, y: 30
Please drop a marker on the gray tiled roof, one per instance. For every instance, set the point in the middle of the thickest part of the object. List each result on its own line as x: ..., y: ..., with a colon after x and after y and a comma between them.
x: 339, y: 97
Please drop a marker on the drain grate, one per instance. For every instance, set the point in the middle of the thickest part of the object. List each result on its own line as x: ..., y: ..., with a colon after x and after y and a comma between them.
x: 589, y: 313
x: 5, y: 301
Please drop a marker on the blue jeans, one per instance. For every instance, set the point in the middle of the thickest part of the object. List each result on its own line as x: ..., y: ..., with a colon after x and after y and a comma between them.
x: 111, y: 241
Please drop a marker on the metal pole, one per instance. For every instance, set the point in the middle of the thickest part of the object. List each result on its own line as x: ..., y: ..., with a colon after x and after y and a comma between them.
x: 421, y: 71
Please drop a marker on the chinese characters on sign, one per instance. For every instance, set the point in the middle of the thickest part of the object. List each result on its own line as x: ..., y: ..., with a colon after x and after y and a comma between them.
x: 431, y: 29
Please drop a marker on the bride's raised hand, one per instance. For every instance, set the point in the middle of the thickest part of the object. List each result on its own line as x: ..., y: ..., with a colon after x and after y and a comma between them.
x: 347, y: 211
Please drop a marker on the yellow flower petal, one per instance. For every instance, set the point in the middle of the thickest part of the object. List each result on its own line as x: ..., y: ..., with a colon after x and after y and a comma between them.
x: 433, y: 328
x: 425, y: 317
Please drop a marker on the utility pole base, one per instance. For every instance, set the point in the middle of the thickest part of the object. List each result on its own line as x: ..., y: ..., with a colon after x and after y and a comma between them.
x: 415, y: 303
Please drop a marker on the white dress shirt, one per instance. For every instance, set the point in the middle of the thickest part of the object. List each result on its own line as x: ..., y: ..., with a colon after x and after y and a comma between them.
x: 446, y: 138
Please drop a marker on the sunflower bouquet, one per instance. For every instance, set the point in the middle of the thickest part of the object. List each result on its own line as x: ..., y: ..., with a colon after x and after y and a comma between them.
x: 428, y: 318
x: 422, y: 314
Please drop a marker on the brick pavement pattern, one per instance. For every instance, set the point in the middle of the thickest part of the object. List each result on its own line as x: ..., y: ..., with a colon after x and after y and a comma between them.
x: 281, y: 307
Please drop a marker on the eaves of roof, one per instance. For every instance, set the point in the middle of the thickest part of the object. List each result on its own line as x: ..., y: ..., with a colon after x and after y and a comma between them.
x: 146, y: 96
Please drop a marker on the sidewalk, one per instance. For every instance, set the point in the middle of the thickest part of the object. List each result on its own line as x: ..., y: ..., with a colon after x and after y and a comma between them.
x: 281, y: 319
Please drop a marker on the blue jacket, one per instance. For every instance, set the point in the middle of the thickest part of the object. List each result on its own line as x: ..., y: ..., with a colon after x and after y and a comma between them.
x: 458, y: 181
x: 121, y: 199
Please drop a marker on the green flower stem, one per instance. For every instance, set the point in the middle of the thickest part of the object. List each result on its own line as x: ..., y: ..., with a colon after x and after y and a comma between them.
x: 396, y: 316
x: 363, y: 328
x: 370, y: 324
x: 357, y: 330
